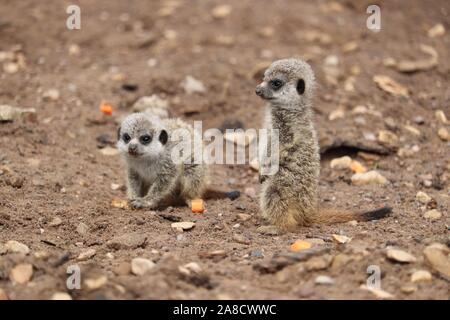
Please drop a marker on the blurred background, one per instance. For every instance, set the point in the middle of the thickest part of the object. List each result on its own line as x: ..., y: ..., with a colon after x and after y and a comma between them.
x: 382, y: 98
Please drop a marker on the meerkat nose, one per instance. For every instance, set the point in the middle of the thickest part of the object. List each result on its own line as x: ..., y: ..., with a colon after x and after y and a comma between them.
x: 132, y: 148
x: 259, y: 90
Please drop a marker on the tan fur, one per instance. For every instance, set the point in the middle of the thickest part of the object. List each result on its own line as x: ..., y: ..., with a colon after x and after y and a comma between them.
x: 289, y: 198
x: 153, y: 177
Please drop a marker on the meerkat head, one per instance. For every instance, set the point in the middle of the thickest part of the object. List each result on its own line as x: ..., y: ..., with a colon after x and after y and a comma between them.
x: 141, y: 136
x: 287, y: 82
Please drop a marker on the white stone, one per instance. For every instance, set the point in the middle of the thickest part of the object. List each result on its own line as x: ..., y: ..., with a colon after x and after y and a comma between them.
x: 51, y: 94
x: 422, y: 197
x: 400, y: 255
x: 140, y: 266
x: 421, y: 275
x: 324, y: 280
x: 341, y: 239
x: 109, y: 151
x: 341, y: 163
x: 192, y: 85
x: 13, y: 246
x: 432, y: 214
x: 61, y: 296
x: 370, y: 177
x: 184, y: 225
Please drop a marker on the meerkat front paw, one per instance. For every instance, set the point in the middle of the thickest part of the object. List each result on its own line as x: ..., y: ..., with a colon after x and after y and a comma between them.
x: 142, y: 204
x: 270, y: 230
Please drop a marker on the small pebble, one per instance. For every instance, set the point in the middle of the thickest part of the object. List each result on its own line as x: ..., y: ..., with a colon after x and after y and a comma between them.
x: 432, y: 215
x: 61, y: 296
x: 400, y: 255
x: 95, y: 283
x: 444, y: 134
x: 341, y: 163
x: 51, y: 94
x: 421, y: 275
x: 422, y: 197
x: 13, y: 246
x: 82, y: 228
x: 140, y: 266
x: 326, y: 280
x: 192, y: 85
x: 21, y: 273
x: 370, y: 177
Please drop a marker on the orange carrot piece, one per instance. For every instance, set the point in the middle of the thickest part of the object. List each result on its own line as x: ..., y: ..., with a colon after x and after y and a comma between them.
x: 197, y: 206
x: 106, y: 108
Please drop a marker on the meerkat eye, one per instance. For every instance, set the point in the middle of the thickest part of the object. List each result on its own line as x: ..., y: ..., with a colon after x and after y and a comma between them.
x: 301, y: 86
x: 126, y: 137
x: 145, y: 139
x: 163, y: 137
x: 276, y: 84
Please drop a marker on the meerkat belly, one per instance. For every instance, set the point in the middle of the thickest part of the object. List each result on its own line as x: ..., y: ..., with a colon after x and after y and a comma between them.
x: 148, y: 172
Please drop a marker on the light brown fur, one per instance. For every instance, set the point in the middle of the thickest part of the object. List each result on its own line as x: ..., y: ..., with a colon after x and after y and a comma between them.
x: 152, y: 175
x: 289, y: 198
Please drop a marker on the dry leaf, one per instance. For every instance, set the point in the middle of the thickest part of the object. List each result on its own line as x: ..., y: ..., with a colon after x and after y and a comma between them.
x: 389, y: 85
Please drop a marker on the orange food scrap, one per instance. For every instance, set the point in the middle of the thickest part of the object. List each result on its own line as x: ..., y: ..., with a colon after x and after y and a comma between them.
x: 197, y: 206
x: 300, y: 245
x: 106, y: 108
x: 357, y: 167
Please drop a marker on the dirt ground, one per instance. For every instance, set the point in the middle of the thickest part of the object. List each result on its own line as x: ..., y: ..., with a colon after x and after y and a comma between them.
x: 51, y: 165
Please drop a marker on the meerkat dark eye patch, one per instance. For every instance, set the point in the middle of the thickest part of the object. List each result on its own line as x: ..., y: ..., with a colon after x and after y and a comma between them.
x: 301, y: 86
x: 118, y: 133
x: 145, y: 139
x: 163, y: 137
x: 276, y: 84
x: 126, y: 138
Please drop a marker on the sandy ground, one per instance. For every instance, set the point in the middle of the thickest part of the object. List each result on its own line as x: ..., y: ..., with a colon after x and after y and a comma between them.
x: 55, y: 184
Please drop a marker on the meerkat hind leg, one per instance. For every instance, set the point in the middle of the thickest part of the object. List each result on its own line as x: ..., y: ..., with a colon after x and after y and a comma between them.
x: 278, y: 210
x: 193, y: 184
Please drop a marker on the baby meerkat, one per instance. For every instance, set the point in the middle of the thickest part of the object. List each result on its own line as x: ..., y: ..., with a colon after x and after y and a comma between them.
x: 145, y: 142
x: 289, y: 198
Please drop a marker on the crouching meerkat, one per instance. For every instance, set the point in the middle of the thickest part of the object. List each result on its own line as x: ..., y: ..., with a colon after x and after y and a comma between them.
x: 146, y: 142
x: 289, y: 198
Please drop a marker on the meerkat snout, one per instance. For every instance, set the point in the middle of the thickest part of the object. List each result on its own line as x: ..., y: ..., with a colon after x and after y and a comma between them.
x: 132, y: 149
x: 259, y: 90
x: 287, y: 83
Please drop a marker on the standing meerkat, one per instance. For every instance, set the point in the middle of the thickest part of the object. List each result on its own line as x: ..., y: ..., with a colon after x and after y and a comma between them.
x: 147, y: 142
x: 289, y: 198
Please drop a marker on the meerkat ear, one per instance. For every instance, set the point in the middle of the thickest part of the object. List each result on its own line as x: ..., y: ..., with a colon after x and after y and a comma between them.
x: 118, y: 133
x: 301, y: 86
x: 163, y: 137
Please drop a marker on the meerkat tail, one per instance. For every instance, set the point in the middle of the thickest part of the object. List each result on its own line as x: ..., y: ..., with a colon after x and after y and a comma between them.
x: 219, y: 194
x: 330, y: 216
